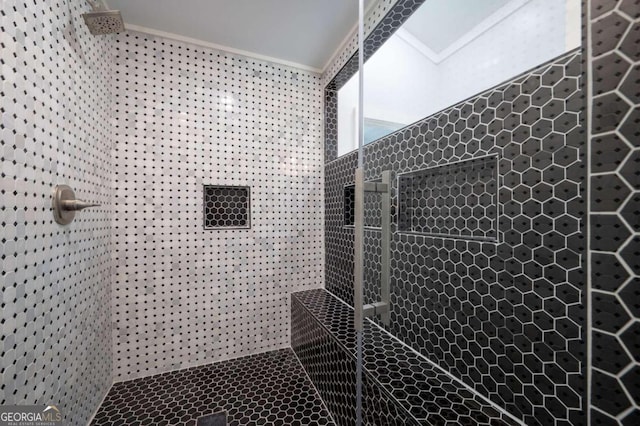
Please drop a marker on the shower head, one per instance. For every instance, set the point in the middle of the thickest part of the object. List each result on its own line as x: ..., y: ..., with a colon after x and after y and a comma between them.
x: 102, y: 21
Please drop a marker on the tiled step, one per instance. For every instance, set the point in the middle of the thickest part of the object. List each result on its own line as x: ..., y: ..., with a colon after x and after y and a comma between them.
x: 423, y: 393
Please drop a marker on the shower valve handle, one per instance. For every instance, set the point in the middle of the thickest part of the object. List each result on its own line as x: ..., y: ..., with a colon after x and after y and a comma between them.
x: 65, y: 205
x: 77, y: 205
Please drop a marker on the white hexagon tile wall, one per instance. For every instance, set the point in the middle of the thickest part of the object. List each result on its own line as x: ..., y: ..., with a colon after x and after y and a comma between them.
x: 55, y: 280
x: 186, y: 117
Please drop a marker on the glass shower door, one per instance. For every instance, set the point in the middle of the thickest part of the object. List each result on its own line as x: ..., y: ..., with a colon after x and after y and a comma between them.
x: 379, y: 305
x: 358, y: 243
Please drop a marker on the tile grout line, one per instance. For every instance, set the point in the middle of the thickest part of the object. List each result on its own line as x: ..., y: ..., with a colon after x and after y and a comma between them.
x: 366, y: 372
x: 204, y: 364
x: 469, y: 388
x: 269, y: 368
x: 588, y: 291
x: 313, y: 385
x: 104, y: 397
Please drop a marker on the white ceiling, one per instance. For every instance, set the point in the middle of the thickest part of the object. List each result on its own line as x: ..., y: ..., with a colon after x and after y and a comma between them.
x: 440, y: 23
x: 302, y: 32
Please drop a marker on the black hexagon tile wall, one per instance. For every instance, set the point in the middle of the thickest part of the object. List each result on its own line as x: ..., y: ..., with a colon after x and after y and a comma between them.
x: 504, y: 316
x: 615, y: 212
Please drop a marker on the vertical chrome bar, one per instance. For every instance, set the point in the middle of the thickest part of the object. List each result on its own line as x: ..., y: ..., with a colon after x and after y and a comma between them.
x: 359, y: 219
x: 360, y: 83
x: 385, y: 241
x: 358, y: 246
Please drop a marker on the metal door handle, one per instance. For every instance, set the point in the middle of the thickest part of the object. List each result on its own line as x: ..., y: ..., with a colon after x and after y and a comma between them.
x: 382, y: 306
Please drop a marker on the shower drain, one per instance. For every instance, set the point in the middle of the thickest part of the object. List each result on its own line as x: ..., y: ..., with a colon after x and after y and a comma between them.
x: 217, y: 419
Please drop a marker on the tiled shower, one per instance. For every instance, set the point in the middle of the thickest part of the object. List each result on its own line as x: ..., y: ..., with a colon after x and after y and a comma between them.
x: 214, y: 284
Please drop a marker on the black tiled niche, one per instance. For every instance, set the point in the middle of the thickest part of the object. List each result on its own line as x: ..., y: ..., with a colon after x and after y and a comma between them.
x: 227, y: 207
x: 454, y: 200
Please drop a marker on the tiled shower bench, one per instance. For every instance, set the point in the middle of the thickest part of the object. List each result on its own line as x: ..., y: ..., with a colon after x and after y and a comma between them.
x: 400, y: 387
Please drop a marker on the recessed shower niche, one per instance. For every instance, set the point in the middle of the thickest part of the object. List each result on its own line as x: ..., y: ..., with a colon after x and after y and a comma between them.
x: 453, y: 200
x: 227, y: 207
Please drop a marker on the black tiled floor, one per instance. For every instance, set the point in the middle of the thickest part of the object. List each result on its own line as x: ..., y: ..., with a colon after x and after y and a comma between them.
x: 266, y: 389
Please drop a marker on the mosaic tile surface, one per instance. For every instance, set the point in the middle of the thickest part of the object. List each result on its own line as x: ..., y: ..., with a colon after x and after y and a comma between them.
x: 504, y: 317
x: 372, y: 210
x: 332, y: 369
x: 323, y: 334
x: 185, y: 117
x: 218, y: 419
x: 266, y: 389
x: 457, y: 200
x: 54, y: 129
x: 615, y: 212
x: 227, y: 207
